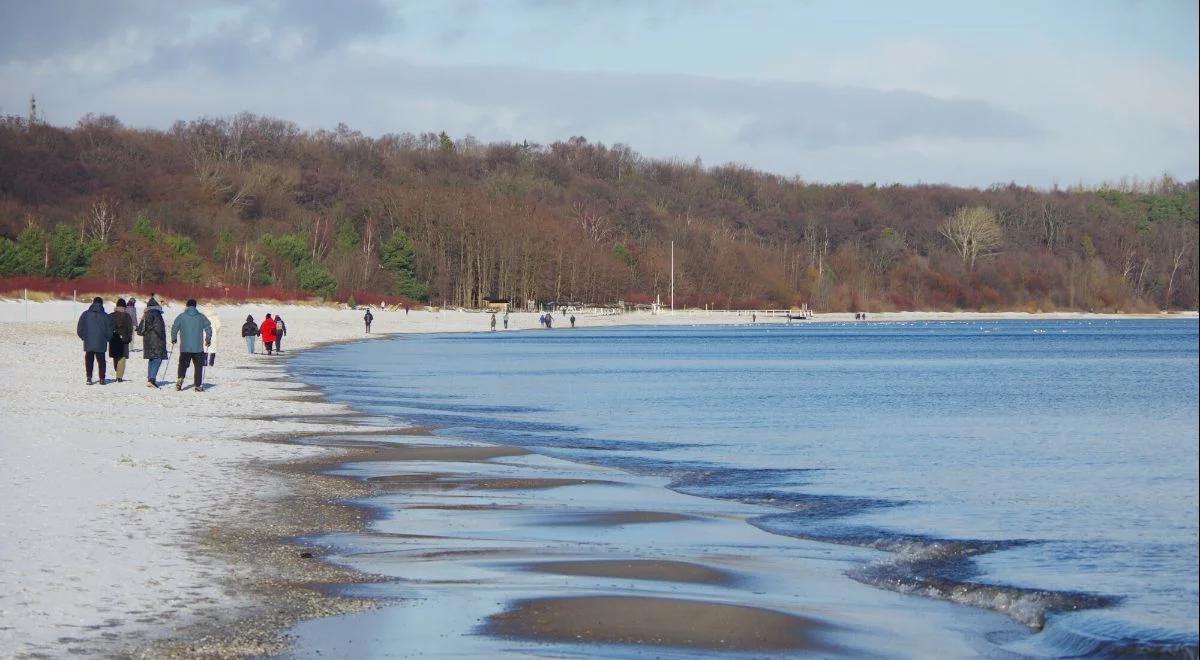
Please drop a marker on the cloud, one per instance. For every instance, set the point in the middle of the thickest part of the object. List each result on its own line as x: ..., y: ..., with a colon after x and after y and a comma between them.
x: 32, y: 31
x: 801, y: 115
x: 658, y: 114
x: 901, y: 111
x: 213, y: 32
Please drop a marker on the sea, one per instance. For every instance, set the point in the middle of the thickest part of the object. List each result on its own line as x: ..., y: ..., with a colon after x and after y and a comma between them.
x: 1046, y: 470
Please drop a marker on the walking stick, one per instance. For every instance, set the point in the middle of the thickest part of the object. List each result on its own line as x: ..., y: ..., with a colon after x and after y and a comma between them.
x: 166, y: 365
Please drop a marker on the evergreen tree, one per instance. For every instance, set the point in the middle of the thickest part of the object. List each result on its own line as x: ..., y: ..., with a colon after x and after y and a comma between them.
x: 398, y: 258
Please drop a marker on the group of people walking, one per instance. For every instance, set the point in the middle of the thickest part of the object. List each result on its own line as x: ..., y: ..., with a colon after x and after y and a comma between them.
x: 493, y: 323
x: 271, y: 330
x: 113, y: 332
x: 547, y: 320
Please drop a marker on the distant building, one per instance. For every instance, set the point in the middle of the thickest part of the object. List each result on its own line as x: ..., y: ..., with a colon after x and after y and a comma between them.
x: 493, y: 304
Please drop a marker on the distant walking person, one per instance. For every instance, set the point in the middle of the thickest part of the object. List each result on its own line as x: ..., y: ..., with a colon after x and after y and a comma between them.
x: 572, y: 320
x: 250, y: 333
x: 95, y: 328
x: 131, y: 310
x: 153, y: 330
x: 549, y: 321
x: 367, y: 318
x: 267, y: 330
x: 406, y: 309
x: 493, y: 322
x: 118, y: 344
x: 195, y: 331
x: 506, y: 320
x: 280, y: 331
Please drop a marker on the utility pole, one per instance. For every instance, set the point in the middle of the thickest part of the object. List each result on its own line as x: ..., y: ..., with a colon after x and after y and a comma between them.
x: 672, y: 276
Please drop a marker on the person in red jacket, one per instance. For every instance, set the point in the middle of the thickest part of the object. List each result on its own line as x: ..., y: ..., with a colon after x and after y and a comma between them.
x: 267, y: 330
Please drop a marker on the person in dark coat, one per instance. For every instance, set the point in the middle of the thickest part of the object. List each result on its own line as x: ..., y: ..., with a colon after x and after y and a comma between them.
x: 118, y: 345
x: 153, y: 330
x: 249, y: 332
x: 280, y: 331
x: 367, y: 318
x: 95, y: 328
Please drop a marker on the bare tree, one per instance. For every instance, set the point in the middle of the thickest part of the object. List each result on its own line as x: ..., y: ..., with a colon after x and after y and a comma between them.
x: 974, y: 233
x: 1054, y: 219
x: 246, y: 260
x: 102, y: 216
x: 1177, y: 259
x: 368, y: 249
x: 594, y: 225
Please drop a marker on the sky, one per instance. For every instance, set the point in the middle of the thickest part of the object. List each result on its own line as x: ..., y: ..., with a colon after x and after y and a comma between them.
x: 1056, y: 92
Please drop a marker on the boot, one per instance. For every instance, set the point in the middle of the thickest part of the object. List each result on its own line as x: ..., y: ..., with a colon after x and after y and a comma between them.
x: 198, y: 388
x: 150, y: 383
x: 178, y: 384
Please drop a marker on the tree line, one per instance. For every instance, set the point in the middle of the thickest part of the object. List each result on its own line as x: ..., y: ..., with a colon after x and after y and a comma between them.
x: 251, y: 201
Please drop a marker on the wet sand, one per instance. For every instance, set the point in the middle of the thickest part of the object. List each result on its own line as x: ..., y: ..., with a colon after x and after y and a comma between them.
x: 493, y: 551
x: 656, y: 621
x: 662, y: 570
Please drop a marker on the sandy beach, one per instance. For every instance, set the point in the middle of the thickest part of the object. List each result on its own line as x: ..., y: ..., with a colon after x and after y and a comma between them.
x: 160, y: 522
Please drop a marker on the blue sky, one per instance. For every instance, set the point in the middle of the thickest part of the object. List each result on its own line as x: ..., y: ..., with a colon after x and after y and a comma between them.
x: 969, y: 93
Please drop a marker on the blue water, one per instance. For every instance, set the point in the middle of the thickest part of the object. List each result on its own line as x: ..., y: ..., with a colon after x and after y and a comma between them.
x: 1047, y: 470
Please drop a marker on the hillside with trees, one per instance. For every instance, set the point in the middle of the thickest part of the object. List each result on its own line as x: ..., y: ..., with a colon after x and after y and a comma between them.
x: 251, y: 201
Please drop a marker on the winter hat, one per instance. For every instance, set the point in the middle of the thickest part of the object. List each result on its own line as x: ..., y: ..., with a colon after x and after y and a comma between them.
x: 249, y: 318
x: 120, y: 302
x: 191, y: 302
x: 97, y: 299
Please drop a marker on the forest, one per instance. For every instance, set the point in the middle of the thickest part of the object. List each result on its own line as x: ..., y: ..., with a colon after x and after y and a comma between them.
x: 244, y: 202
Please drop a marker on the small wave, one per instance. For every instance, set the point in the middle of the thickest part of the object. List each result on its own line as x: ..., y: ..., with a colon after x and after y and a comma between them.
x: 1028, y: 606
x: 940, y: 568
x: 1068, y: 635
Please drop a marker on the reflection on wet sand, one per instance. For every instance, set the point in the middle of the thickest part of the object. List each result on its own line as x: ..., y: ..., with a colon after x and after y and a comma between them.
x: 495, y: 551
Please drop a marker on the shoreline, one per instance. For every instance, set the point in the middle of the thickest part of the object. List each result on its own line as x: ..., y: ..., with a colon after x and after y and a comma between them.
x: 233, y: 538
x: 544, y: 609
x: 455, y: 485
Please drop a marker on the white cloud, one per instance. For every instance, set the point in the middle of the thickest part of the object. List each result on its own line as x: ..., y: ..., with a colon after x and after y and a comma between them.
x: 900, y: 111
x: 1103, y: 116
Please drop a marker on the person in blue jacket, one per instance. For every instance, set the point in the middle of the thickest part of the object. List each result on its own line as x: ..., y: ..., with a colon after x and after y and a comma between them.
x: 196, y: 333
x: 95, y: 328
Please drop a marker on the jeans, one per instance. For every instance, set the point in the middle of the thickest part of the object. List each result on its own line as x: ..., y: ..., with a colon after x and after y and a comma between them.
x: 250, y: 343
x: 197, y: 360
x: 98, y: 358
x: 152, y: 369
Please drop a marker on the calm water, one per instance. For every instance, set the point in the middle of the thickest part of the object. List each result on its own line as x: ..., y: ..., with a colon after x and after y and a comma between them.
x: 1047, y: 470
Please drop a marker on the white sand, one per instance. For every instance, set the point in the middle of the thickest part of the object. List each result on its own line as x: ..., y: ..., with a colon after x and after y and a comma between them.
x: 104, y: 487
